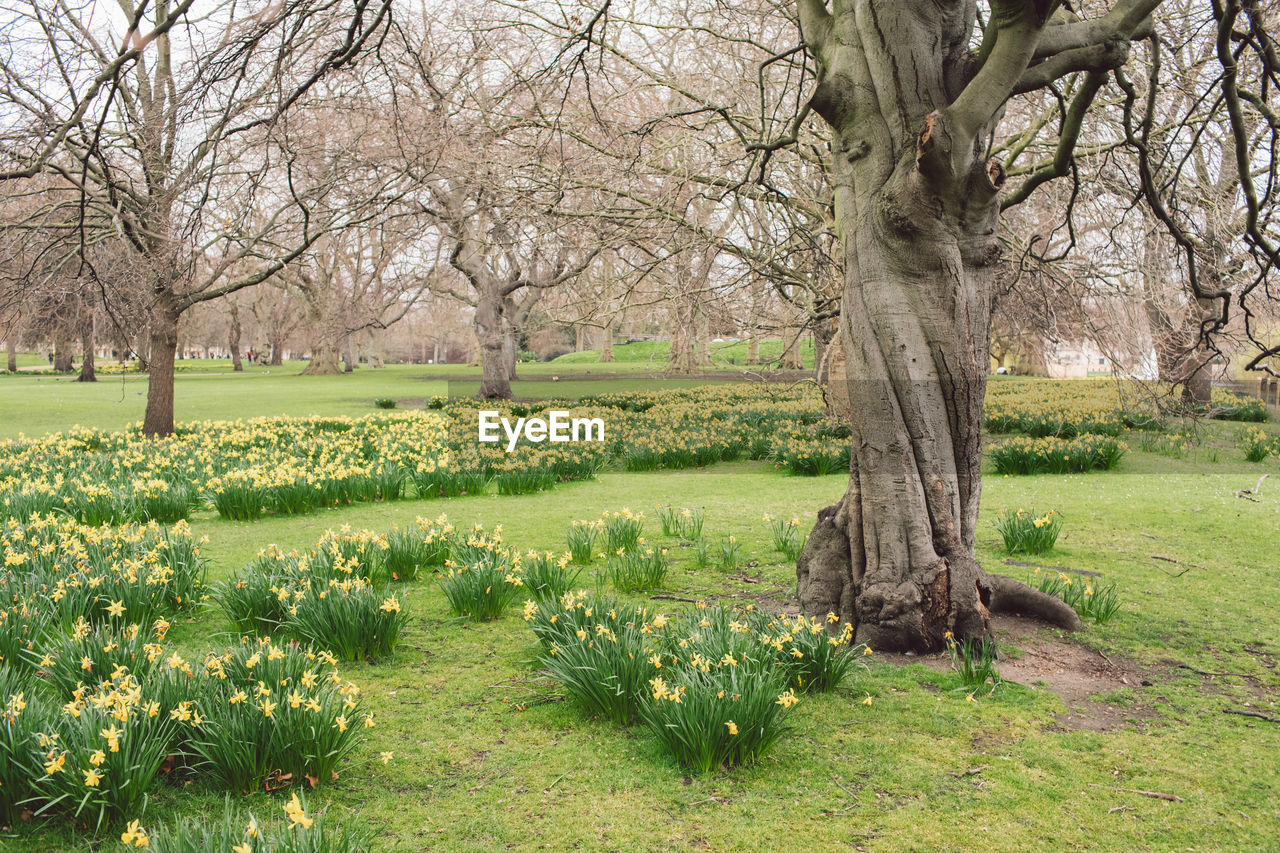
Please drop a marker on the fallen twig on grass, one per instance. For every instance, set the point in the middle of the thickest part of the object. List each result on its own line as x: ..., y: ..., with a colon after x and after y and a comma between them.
x: 1257, y: 714
x: 1156, y: 795
x: 674, y: 598
x: 1189, y: 567
x: 1250, y: 494
x: 972, y: 771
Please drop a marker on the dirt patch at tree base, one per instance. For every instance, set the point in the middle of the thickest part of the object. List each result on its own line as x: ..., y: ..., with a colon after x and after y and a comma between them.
x: 1094, y: 687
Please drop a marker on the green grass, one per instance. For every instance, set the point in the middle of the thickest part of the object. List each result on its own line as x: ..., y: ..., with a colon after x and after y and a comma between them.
x: 38, y: 404
x: 474, y: 772
x: 723, y: 354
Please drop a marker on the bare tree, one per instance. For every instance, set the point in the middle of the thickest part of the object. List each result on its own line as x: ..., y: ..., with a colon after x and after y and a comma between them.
x: 166, y: 130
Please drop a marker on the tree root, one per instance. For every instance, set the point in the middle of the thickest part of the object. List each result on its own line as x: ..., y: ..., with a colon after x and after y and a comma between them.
x: 1011, y: 596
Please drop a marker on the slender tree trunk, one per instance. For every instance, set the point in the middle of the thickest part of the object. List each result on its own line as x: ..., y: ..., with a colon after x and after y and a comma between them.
x: 606, y: 343
x: 348, y: 354
x: 823, y: 332
x: 88, y: 373
x: 237, y: 363
x: 276, y: 341
x: 11, y: 346
x: 491, y: 338
x: 163, y: 348
x: 792, y: 348
x: 510, y: 352
x: 682, y: 335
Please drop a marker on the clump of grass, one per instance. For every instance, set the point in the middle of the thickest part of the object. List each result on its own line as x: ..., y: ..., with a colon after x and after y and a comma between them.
x: 385, y: 403
x: 1026, y: 532
x: 702, y: 553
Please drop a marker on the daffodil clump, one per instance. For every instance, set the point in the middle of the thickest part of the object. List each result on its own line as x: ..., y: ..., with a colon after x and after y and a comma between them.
x: 1257, y: 444
x: 598, y: 648
x: 583, y: 537
x: 811, y: 449
x: 58, y: 572
x: 547, y: 576
x: 622, y: 529
x: 681, y: 522
x: 482, y: 588
x: 974, y: 662
x: 245, y: 468
x: 89, y: 726
x: 1057, y: 456
x: 788, y: 536
x: 714, y: 687
x: 295, y: 829
x: 1091, y: 597
x: 1028, y: 532
x: 641, y: 567
x: 275, y: 710
x: 336, y: 596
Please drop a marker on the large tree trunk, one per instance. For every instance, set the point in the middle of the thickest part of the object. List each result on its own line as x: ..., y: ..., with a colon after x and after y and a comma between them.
x: 895, y: 557
x: 61, y: 353
x: 237, y: 363
x: 324, y: 360
x: 163, y: 348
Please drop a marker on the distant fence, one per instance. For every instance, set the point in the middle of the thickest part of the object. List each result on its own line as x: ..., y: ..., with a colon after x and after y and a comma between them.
x: 1265, y: 389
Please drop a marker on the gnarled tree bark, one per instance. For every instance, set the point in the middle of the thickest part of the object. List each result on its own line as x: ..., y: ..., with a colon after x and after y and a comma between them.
x: 912, y: 110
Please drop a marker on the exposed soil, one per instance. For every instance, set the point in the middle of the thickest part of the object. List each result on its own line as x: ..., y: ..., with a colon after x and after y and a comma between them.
x: 1073, y: 672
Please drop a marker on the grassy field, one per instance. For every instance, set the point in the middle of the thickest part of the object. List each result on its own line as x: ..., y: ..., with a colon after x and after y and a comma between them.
x: 36, y: 404
x: 488, y: 755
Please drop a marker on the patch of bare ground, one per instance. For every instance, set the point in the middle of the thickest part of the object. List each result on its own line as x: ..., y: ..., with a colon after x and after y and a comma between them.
x: 1078, y: 675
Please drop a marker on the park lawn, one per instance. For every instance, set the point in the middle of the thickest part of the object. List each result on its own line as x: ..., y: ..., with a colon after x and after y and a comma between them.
x: 488, y: 756
x: 39, y: 404
x: 209, y: 390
